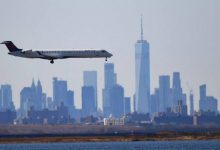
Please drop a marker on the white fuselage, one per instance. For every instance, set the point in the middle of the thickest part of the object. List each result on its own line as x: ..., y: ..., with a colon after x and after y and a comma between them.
x: 61, y: 54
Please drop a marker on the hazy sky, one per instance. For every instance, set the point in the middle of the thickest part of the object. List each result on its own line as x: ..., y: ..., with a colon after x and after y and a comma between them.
x: 184, y: 35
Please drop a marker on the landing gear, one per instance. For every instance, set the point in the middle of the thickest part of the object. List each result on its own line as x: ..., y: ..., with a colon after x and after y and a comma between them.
x: 52, y: 61
x: 106, y: 59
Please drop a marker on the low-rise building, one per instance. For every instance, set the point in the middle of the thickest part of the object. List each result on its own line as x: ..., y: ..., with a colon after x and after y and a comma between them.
x: 206, y: 118
x: 173, y: 120
x: 137, y: 118
x: 45, y: 116
x: 7, y: 117
x: 114, y: 121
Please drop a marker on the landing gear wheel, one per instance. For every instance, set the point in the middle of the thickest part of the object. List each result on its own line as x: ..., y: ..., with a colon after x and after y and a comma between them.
x: 52, y: 61
x: 106, y: 59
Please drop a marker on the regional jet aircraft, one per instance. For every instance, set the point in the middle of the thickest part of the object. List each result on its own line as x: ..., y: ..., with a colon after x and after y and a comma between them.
x: 58, y: 54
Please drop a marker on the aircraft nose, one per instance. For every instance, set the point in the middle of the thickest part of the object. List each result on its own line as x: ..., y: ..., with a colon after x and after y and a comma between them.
x: 110, y: 55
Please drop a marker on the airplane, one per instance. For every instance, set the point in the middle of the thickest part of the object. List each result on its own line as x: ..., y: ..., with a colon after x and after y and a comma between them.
x: 56, y: 54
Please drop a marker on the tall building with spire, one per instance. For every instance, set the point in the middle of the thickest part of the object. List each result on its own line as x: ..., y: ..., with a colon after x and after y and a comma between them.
x: 31, y: 97
x: 142, y: 74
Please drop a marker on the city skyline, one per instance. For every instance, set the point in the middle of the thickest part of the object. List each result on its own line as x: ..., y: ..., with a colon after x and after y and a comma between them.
x: 167, y: 104
x: 166, y: 96
x: 175, y: 33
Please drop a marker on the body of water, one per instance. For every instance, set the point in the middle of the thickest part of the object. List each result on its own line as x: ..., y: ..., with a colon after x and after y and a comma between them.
x: 145, y: 145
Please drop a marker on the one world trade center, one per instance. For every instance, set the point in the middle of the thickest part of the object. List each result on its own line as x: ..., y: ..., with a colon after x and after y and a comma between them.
x: 142, y: 74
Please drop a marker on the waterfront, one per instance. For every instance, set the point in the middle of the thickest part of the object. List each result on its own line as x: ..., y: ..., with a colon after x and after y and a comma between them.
x: 147, y: 145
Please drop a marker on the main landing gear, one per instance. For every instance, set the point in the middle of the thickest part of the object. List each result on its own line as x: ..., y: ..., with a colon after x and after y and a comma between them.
x: 51, y: 61
x: 106, y: 59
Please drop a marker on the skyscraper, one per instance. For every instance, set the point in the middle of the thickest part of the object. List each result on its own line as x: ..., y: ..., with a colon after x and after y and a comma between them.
x: 88, y: 101
x: 110, y: 75
x: 44, y: 101
x: 212, y: 104
x: 69, y: 99
x: 202, y: 92
x: 127, y: 105
x: 50, y: 103
x: 110, y: 81
x: 154, y: 104
x: 0, y: 99
x: 164, y: 93
x: 177, y: 89
x: 116, y: 97
x: 207, y: 103
x: 142, y: 74
x: 59, y: 92
x: 39, y: 96
x: 32, y: 96
x: 202, y: 101
x: 191, y: 100
x: 90, y: 79
x: 6, y: 98
x: 25, y: 101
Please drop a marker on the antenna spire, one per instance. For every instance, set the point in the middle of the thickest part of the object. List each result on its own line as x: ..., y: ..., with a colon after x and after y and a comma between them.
x: 142, y: 34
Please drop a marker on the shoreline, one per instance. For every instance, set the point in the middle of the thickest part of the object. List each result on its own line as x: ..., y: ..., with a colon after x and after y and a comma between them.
x: 129, y: 138
x: 99, y: 133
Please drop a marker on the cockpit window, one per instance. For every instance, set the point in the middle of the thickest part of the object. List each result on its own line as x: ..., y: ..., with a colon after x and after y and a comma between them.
x: 103, y: 51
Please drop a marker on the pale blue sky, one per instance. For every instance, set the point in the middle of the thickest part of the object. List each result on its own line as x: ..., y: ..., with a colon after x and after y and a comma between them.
x: 184, y: 35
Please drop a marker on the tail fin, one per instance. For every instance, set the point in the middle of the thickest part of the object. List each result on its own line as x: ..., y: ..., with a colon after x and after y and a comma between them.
x: 11, y: 47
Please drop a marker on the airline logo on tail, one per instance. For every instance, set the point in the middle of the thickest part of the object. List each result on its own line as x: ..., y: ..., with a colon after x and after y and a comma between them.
x: 11, y: 47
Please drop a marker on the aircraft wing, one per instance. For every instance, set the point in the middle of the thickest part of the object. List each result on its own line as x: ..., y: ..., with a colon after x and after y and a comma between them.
x: 45, y: 56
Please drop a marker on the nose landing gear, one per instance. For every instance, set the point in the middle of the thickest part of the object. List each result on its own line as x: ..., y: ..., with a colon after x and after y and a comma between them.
x: 51, y: 61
